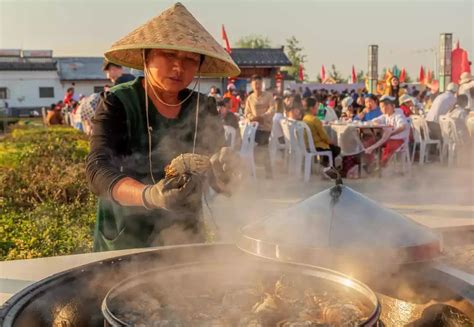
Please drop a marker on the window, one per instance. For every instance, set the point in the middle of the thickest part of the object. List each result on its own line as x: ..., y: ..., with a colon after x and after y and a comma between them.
x: 3, y: 93
x: 98, y: 89
x: 46, y: 92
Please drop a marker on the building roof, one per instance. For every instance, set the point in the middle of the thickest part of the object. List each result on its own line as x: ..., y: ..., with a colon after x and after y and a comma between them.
x: 268, y: 57
x: 27, y: 66
x: 80, y: 68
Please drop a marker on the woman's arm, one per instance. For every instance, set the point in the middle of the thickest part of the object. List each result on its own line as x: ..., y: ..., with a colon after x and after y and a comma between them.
x: 128, y: 192
x: 108, y: 144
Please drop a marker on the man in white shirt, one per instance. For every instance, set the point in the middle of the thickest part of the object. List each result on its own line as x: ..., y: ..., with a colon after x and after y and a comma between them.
x: 466, y: 86
x: 400, y: 128
x: 441, y: 106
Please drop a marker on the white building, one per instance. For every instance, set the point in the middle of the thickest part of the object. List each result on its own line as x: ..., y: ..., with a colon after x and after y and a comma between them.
x: 30, y: 80
x: 83, y: 73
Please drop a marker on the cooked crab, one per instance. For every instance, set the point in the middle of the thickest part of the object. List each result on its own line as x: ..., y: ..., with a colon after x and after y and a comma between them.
x: 188, y: 163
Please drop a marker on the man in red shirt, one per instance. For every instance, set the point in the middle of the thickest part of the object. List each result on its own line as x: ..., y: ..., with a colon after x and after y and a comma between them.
x: 69, y: 96
x: 234, y: 100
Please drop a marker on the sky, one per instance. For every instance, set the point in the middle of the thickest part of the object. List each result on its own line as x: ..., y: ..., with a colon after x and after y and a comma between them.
x: 331, y: 32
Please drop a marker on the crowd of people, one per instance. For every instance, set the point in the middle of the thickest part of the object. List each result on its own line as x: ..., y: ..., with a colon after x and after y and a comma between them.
x: 319, y: 107
x: 313, y: 107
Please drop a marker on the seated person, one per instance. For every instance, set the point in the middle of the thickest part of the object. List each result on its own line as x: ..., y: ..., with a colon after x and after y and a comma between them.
x: 406, y: 104
x: 277, y: 132
x: 54, y: 116
x: 348, y: 111
x: 294, y: 108
x: 320, y: 138
x: 459, y: 114
x: 371, y: 109
x: 441, y: 105
x: 396, y: 119
x: 227, y: 116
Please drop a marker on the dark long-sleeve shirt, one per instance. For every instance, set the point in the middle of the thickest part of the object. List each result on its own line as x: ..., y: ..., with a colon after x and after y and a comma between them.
x: 120, y: 148
x: 115, y: 154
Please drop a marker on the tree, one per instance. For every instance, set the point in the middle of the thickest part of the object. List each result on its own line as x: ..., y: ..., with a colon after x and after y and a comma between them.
x: 360, y: 76
x: 295, y: 53
x: 254, y: 42
x: 336, y: 75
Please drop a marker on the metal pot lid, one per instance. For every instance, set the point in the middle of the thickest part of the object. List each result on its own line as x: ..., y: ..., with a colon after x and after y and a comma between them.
x: 339, y: 224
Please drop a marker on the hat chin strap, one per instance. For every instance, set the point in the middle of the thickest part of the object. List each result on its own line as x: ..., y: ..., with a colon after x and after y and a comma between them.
x: 149, y: 128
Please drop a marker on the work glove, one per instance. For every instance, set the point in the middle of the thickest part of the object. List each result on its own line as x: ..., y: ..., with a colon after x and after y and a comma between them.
x: 179, y: 193
x: 226, y: 170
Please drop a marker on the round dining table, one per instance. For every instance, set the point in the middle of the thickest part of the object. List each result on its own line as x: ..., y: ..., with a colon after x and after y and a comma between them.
x: 351, y: 141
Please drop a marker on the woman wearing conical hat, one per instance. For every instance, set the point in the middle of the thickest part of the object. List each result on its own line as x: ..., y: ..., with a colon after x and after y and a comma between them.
x: 142, y: 125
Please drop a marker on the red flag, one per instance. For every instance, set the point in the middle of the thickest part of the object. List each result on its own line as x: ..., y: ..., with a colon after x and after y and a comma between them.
x: 421, y: 76
x: 354, y: 76
x: 301, y: 73
x: 323, y: 73
x: 403, y: 75
x: 226, y: 40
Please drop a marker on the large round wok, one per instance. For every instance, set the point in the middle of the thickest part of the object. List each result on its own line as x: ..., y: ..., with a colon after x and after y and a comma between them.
x: 153, y: 293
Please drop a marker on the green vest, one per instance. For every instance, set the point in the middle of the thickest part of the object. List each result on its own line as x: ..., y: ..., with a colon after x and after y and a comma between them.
x: 119, y: 227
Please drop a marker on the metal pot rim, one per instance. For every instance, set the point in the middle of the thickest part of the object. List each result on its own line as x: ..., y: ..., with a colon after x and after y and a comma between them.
x: 303, y: 269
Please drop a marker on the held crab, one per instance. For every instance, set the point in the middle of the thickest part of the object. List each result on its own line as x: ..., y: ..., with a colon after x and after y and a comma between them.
x: 188, y: 163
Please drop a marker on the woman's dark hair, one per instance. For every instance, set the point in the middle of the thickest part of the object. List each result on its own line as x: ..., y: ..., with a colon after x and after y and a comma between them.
x: 310, y: 103
x: 462, y: 101
x: 279, y: 105
x: 294, y: 102
x: 256, y: 78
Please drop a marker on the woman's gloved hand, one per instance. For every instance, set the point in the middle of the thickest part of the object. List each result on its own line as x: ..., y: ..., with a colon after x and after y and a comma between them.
x: 226, y: 170
x: 174, y: 194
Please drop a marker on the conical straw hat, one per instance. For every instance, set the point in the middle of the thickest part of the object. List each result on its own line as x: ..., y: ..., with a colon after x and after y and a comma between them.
x: 173, y: 29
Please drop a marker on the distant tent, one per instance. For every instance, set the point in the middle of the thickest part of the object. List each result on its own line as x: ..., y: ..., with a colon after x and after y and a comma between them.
x: 329, y: 80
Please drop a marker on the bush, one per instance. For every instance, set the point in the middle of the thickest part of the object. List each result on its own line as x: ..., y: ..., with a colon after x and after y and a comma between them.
x: 47, y: 208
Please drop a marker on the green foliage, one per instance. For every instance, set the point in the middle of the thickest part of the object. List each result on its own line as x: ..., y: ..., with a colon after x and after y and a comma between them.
x: 254, y: 42
x: 295, y: 53
x: 47, y: 208
x: 336, y: 75
x: 360, y: 76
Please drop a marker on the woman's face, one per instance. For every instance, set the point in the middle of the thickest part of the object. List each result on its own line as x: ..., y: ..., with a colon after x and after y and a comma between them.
x: 395, y: 81
x: 172, y: 70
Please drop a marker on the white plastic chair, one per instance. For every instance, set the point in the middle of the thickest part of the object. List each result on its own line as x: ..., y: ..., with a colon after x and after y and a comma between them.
x: 230, y: 134
x: 303, y: 129
x: 421, y: 129
x: 417, y: 141
x: 248, y: 146
x: 274, y: 146
x: 288, y: 127
x: 450, y: 138
x: 402, y: 154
